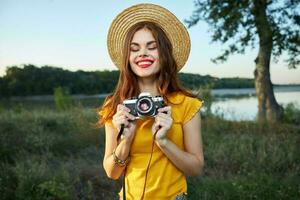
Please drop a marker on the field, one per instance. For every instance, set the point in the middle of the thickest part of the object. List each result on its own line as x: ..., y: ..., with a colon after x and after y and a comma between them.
x: 51, y: 154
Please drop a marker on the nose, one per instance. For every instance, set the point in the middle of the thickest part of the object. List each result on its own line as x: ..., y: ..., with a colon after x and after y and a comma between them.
x: 143, y: 52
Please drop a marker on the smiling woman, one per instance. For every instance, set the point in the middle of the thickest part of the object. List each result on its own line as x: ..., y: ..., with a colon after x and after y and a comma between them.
x: 144, y: 56
x: 150, y: 45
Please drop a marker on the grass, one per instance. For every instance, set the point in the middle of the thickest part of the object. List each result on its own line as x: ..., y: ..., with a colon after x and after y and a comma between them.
x: 46, y: 154
x: 245, y: 160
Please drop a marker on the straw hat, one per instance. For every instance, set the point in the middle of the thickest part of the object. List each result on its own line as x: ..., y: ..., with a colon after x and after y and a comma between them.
x: 168, y: 22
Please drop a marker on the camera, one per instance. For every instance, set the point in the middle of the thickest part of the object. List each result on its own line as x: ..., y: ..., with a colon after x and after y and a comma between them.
x: 144, y: 105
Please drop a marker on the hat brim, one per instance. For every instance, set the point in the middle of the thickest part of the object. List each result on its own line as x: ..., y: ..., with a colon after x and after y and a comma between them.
x: 168, y: 22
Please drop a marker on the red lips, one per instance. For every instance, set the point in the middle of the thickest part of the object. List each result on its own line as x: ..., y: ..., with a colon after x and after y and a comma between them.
x: 144, y: 63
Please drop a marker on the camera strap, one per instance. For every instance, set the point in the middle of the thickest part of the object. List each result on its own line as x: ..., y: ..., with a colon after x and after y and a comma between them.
x: 148, y: 166
x: 120, y: 132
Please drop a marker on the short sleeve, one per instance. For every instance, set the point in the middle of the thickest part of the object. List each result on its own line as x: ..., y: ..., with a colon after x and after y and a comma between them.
x: 104, y: 112
x: 191, y: 107
x: 109, y: 122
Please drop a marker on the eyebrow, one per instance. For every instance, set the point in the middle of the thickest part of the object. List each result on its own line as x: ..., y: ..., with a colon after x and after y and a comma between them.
x: 148, y: 43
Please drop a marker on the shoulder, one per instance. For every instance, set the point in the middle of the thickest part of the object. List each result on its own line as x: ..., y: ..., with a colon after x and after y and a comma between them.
x: 184, y: 107
x: 107, y: 110
x: 180, y: 99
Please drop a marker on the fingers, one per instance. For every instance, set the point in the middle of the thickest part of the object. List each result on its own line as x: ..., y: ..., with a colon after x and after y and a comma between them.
x: 163, y: 116
x: 129, y: 116
x: 123, y: 110
x: 122, y: 116
x: 166, y: 110
x: 122, y: 107
x: 156, y: 127
x: 164, y: 119
x: 122, y: 120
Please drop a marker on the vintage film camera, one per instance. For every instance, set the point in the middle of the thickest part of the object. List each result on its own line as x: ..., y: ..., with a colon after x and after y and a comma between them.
x: 144, y: 105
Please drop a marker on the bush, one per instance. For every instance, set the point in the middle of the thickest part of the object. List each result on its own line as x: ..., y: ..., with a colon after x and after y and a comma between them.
x: 291, y: 113
x: 62, y: 98
x: 58, y: 156
x: 205, y: 94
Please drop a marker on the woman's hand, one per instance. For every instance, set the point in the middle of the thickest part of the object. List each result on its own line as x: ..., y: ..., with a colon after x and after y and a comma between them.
x: 163, y: 122
x: 123, y: 116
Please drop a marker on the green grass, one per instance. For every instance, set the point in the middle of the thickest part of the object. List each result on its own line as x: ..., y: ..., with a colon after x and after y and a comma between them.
x: 246, y: 160
x: 46, y: 154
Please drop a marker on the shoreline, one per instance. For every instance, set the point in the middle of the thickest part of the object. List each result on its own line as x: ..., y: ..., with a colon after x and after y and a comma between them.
x: 214, y: 92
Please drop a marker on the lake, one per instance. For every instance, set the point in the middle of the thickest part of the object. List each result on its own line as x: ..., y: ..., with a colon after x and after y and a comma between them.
x: 232, y: 104
x: 237, y: 107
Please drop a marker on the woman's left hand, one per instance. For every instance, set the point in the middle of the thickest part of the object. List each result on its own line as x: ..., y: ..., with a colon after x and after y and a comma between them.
x: 163, y: 122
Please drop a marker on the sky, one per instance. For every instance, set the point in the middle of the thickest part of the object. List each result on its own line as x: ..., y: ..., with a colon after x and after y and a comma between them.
x: 71, y: 34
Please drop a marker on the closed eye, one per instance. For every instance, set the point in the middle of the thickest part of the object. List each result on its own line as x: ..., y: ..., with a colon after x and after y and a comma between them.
x: 152, y: 48
x: 136, y: 50
x: 136, y: 47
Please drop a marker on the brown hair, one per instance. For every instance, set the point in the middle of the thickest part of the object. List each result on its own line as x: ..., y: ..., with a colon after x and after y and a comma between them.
x: 167, y: 79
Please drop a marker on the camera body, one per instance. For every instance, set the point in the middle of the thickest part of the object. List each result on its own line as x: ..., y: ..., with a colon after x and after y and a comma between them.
x: 144, y: 105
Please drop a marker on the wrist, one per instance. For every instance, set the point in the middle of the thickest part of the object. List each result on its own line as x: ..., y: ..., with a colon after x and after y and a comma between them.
x: 127, y: 141
x: 162, y: 142
x: 121, y: 152
x: 120, y: 162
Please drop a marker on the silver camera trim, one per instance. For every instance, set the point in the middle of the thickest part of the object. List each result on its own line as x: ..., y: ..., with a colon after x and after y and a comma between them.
x: 135, y: 101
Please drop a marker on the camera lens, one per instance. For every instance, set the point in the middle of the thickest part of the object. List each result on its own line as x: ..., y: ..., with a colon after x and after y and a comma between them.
x: 144, y: 105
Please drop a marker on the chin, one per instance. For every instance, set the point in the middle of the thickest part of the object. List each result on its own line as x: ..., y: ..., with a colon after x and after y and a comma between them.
x: 145, y: 75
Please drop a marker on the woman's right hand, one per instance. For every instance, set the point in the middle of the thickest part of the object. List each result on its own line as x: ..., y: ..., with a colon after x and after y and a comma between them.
x: 123, y: 116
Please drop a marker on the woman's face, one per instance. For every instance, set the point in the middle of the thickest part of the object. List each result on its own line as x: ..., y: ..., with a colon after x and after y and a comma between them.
x: 144, y: 58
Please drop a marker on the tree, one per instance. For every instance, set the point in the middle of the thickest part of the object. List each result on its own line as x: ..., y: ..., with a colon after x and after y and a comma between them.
x: 273, y: 25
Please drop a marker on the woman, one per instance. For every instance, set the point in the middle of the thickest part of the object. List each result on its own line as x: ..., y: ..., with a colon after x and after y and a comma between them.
x: 150, y: 45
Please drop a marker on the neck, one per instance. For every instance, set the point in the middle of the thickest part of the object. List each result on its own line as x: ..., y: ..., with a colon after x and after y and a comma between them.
x: 148, y: 85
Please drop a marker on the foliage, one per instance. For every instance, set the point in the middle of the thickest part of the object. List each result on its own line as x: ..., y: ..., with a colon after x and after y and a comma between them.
x: 62, y: 98
x: 32, y: 80
x: 291, y: 113
x: 205, y: 94
x: 59, y: 155
x: 238, y: 24
x: 53, y: 156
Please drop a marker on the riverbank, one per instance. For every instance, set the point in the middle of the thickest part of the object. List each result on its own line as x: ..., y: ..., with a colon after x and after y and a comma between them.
x: 215, y: 92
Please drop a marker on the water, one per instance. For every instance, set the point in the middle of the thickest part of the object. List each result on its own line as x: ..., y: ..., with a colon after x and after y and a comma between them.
x: 246, y: 108
x: 232, y: 104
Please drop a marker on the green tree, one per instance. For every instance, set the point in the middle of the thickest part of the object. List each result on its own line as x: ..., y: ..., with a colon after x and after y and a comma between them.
x: 272, y: 25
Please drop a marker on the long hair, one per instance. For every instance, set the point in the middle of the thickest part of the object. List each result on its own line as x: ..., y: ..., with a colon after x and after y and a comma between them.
x: 166, y: 79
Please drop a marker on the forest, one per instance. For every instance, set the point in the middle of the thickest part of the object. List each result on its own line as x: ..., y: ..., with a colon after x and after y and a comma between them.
x: 32, y: 80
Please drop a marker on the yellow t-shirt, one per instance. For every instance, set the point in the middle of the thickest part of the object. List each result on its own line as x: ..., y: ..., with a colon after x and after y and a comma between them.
x: 164, y: 180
